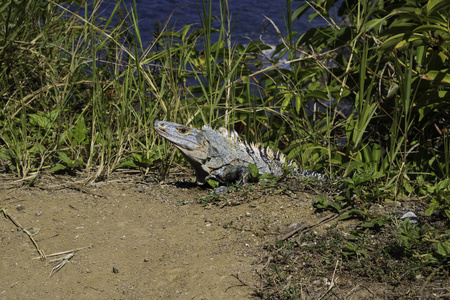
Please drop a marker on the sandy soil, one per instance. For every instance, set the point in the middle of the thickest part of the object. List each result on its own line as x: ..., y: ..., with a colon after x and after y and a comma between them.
x: 138, y: 240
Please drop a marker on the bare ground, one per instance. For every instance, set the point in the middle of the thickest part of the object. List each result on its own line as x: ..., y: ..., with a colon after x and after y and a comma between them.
x: 160, y: 241
x: 145, y: 240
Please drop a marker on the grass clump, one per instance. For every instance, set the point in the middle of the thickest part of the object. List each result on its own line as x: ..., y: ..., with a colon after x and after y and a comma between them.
x: 71, y: 101
x: 398, y: 254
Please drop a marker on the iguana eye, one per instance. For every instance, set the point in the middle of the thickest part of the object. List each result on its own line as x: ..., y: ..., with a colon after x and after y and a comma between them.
x: 183, y: 130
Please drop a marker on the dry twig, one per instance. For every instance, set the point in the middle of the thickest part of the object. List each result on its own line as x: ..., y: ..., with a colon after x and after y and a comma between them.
x: 307, y: 227
x: 65, y: 252
x: 59, y: 266
x: 8, y: 216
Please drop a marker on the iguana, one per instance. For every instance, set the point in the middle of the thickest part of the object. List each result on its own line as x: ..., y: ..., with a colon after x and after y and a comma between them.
x: 221, y: 155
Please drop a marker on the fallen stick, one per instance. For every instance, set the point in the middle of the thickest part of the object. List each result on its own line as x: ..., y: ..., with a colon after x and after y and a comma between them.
x: 8, y: 216
x: 63, y: 262
x: 309, y: 227
x: 65, y: 252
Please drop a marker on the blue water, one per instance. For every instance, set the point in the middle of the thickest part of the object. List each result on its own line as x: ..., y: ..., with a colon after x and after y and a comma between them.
x: 248, y: 15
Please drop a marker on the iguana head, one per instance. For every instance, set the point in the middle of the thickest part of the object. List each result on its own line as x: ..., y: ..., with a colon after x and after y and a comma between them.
x: 190, y: 141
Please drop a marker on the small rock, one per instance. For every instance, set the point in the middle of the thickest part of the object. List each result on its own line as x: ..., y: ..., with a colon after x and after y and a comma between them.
x: 412, y: 217
x: 220, y: 190
x: 37, y: 213
x: 20, y: 207
x: 115, y: 270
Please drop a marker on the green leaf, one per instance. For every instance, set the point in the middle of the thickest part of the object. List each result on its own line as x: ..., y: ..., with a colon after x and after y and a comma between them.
x: 316, y: 94
x: 353, y: 212
x: 374, y: 23
x: 434, y: 6
x: 443, y: 184
x: 409, y: 12
x: 428, y: 257
x: 300, y: 11
x: 392, y: 41
x: 254, y: 171
x: 63, y: 156
x: 433, y: 28
x: 41, y: 121
x: 185, y: 31
x: 351, y: 247
x: 287, y: 100
x: 128, y: 164
x: 416, y: 40
x: 443, y: 248
x: 430, y: 210
x: 336, y: 206
x: 79, y: 133
x: 438, y: 76
x: 58, y: 167
x: 5, y: 155
x: 213, y: 183
x: 363, y: 253
x: 37, y: 148
x: 322, y: 201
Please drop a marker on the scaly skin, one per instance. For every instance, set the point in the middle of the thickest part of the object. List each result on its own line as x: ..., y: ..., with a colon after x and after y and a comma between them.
x: 220, y: 155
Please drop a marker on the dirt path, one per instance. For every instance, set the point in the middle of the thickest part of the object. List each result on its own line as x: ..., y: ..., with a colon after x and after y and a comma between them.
x: 160, y: 241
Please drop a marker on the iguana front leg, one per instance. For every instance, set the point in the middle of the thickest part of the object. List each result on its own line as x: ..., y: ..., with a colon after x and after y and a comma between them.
x: 231, y: 174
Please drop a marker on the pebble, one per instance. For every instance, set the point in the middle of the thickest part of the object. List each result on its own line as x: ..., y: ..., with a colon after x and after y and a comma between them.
x: 220, y: 190
x: 412, y: 217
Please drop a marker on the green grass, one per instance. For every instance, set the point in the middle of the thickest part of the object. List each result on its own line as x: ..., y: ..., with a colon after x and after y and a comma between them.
x: 79, y: 93
x: 396, y: 254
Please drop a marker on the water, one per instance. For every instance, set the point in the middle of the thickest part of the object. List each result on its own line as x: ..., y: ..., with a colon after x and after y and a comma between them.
x: 248, y: 15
